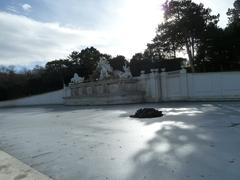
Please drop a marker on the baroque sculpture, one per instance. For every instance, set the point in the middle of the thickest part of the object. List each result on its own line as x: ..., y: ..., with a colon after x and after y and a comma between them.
x: 126, y: 74
x: 106, y: 72
x: 105, y: 69
x: 76, y: 79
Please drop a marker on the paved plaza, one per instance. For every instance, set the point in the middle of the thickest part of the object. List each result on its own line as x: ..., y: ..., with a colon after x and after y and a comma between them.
x: 192, y: 141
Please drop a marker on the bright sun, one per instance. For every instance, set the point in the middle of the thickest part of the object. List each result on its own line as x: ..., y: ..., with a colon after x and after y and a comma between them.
x: 137, y: 22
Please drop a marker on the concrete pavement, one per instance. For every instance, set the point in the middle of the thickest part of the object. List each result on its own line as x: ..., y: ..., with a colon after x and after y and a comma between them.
x: 13, y: 169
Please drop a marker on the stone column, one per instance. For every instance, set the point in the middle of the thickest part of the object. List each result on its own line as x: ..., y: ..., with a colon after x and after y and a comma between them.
x: 155, y: 86
x: 183, y: 82
x: 164, y: 84
x: 142, y: 79
x: 67, y: 91
x: 144, y: 85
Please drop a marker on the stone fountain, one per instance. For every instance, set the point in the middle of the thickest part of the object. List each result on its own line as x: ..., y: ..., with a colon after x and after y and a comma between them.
x: 112, y: 87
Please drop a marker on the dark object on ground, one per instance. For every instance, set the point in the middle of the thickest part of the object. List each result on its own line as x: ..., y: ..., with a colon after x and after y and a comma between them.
x: 234, y: 125
x: 147, y: 113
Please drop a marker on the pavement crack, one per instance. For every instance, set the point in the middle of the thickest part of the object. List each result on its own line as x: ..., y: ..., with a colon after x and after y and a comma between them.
x: 43, y: 154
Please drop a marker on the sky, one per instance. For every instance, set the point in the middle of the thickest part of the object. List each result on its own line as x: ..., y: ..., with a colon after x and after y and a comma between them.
x: 33, y: 32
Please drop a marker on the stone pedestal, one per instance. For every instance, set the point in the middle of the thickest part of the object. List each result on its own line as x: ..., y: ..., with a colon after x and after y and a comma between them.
x: 105, y: 92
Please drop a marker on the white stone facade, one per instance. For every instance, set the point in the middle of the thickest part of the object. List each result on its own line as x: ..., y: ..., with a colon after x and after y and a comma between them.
x: 115, y: 91
x: 218, y: 86
x: 153, y: 87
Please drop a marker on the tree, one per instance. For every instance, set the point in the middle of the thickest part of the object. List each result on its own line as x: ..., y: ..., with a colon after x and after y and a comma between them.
x: 118, y: 62
x: 139, y: 63
x: 220, y: 48
x: 74, y: 57
x: 89, y: 58
x: 214, y: 51
x: 184, y: 26
x: 154, y: 50
x: 167, y: 40
x: 233, y: 31
x: 234, y: 13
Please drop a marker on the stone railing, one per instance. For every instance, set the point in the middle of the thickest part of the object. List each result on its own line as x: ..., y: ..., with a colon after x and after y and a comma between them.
x: 145, y: 88
x: 114, y: 91
x: 102, y: 88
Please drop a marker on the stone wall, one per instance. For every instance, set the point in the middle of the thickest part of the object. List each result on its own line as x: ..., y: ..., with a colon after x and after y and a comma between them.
x: 180, y: 85
x: 150, y: 84
x: 114, y: 91
x: 55, y: 97
x: 152, y: 87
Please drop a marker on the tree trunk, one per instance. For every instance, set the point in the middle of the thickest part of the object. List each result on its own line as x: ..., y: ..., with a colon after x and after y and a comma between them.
x: 190, y: 56
x: 193, y: 50
x: 174, y: 51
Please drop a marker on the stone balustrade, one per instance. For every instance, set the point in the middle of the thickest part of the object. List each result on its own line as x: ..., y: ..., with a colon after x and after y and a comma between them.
x: 113, y: 91
x: 101, y: 88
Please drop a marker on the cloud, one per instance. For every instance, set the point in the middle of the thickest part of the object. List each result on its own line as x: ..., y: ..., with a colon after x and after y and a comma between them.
x: 24, y: 41
x: 120, y: 27
x: 26, y: 7
x: 11, y: 9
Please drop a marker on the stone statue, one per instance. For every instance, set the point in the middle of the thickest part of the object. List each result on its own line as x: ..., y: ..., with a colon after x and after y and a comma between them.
x: 126, y: 74
x: 105, y: 69
x: 76, y: 79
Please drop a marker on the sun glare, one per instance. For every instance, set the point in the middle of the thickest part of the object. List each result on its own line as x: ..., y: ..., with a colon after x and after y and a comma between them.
x: 137, y: 22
